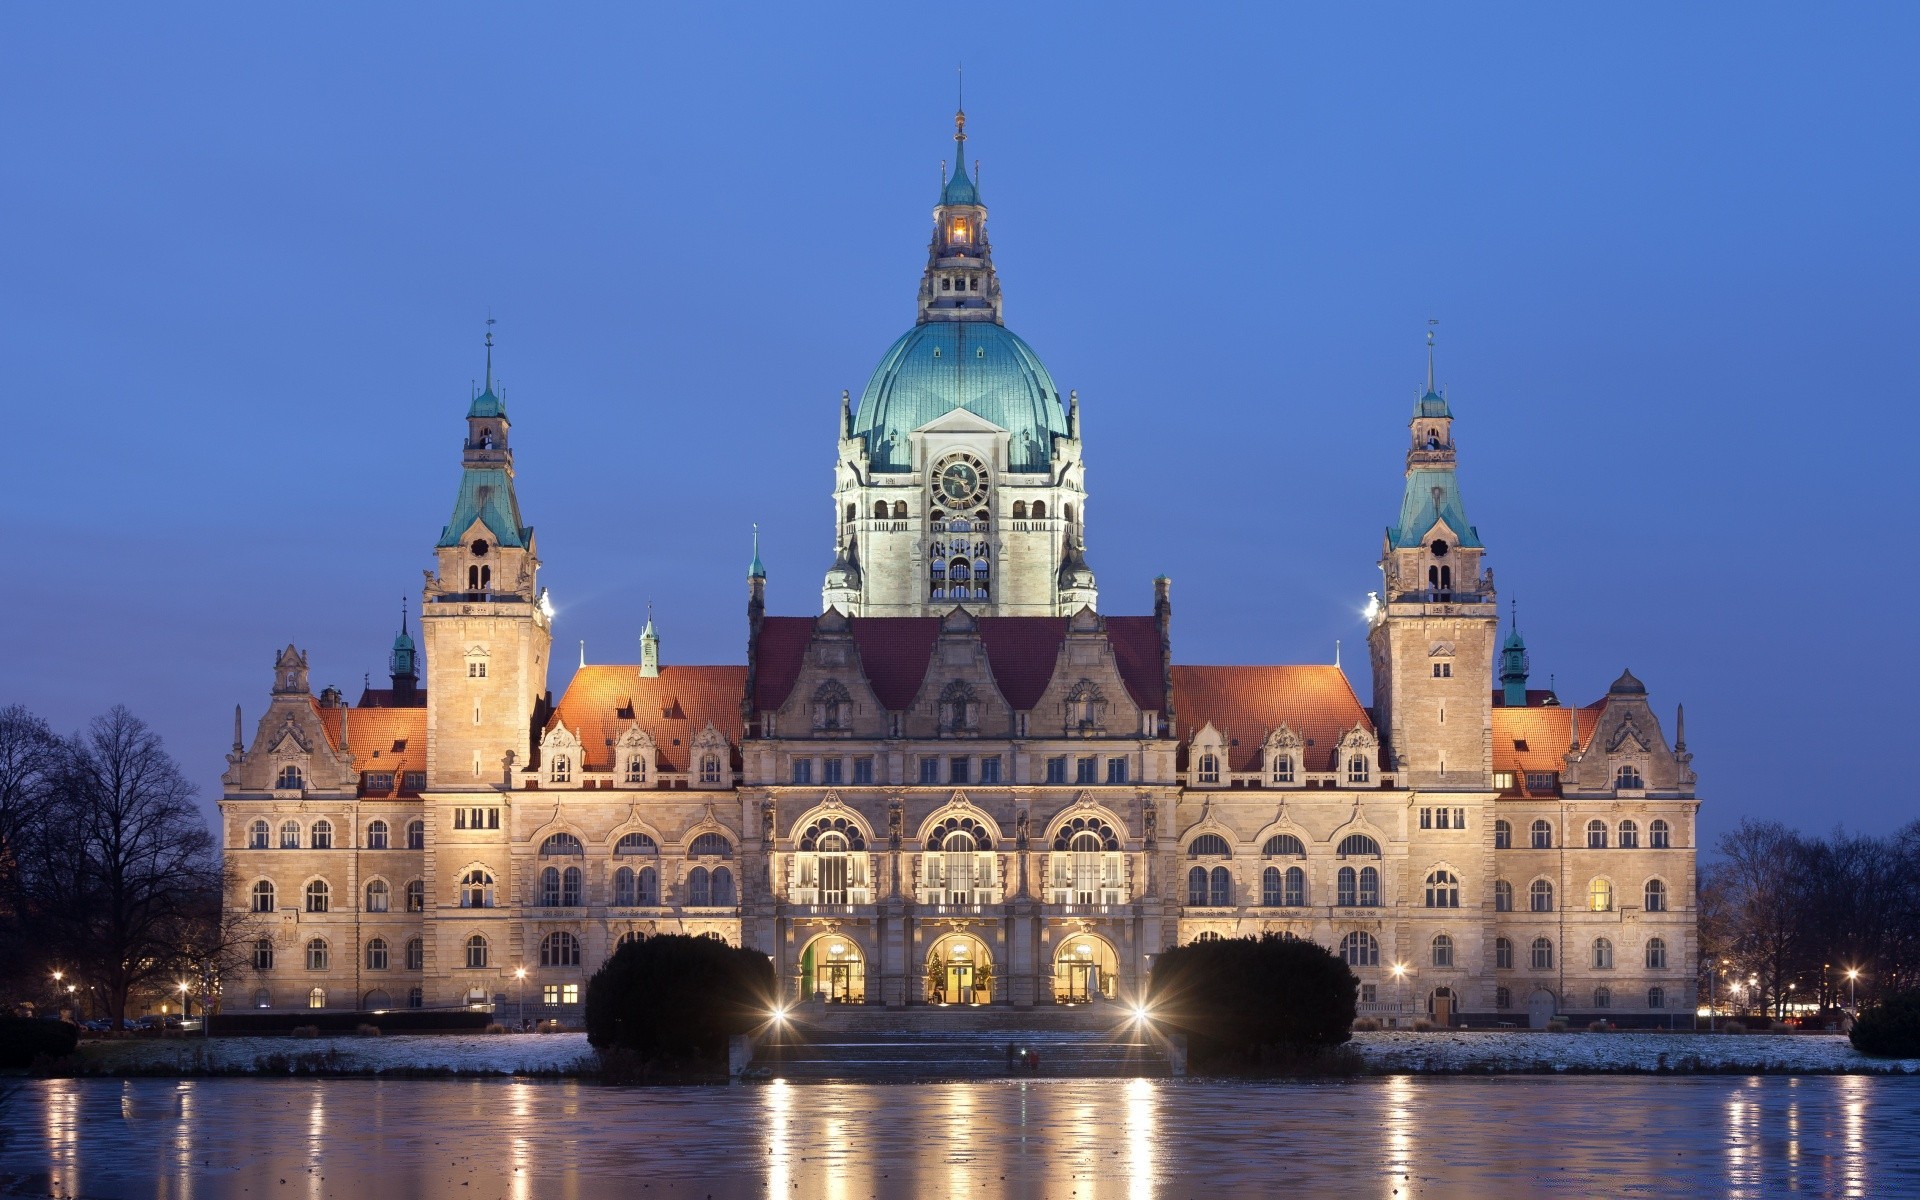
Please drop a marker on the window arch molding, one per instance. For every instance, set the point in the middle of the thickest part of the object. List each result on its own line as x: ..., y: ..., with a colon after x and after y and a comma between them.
x: 1110, y: 829
x: 1283, y: 842
x: 1358, y: 841
x: 561, y: 843
x: 1209, y: 845
x: 947, y: 817
x: 634, y: 838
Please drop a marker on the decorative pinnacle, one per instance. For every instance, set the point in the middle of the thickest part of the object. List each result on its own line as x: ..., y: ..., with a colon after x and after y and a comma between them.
x: 960, y: 111
x: 489, y: 353
x: 1431, y: 322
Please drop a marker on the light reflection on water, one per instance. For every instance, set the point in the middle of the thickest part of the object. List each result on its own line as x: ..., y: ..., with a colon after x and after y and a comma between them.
x: 1083, y: 1139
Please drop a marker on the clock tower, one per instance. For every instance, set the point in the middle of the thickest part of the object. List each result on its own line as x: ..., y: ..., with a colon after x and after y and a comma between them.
x: 959, y: 480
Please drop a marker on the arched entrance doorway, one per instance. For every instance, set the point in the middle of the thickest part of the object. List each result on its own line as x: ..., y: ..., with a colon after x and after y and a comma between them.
x: 1441, y: 1006
x: 1084, y: 968
x: 959, y: 971
x: 1540, y: 1009
x: 833, y: 969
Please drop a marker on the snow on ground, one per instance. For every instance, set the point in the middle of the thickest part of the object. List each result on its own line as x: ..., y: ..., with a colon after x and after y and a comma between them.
x: 469, y: 1053
x: 1439, y: 1052
x: 1446, y: 1051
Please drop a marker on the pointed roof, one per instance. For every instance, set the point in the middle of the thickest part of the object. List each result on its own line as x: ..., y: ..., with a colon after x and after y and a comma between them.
x: 1627, y: 685
x: 960, y: 189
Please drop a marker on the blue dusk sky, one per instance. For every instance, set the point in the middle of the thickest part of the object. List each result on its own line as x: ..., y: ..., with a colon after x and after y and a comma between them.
x: 249, y: 251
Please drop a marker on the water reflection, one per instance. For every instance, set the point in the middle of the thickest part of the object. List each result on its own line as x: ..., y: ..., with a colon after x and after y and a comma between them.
x: 1086, y: 1139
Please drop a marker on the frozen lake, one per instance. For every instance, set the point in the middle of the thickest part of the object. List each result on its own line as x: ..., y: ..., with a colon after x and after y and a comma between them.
x: 1073, y: 1139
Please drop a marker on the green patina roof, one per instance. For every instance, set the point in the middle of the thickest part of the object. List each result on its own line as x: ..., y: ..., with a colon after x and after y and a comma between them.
x: 486, y: 404
x: 941, y: 366
x: 960, y: 189
x: 1432, y: 496
x: 1433, y: 404
x: 486, y: 494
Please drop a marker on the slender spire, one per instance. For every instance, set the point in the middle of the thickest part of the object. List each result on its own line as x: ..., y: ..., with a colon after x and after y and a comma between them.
x: 1680, y: 727
x: 490, y: 354
x: 583, y: 652
x: 649, y: 648
x: 756, y: 569
x: 1431, y: 322
x: 237, y: 747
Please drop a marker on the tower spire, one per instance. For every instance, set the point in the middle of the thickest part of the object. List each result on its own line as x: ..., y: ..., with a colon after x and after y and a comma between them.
x: 756, y: 569
x: 649, y: 648
x: 489, y: 386
x: 1431, y: 322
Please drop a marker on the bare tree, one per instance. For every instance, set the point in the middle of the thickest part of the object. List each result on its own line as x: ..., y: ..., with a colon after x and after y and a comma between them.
x: 1764, y: 877
x: 124, y: 861
x: 30, y: 760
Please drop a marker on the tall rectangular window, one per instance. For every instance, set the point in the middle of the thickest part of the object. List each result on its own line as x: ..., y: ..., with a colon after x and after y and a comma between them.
x: 1426, y: 818
x: 929, y: 770
x: 863, y: 770
x: 1057, y: 769
x: 1083, y: 770
x: 957, y: 769
x: 832, y: 771
x: 802, y: 771
x: 990, y: 769
x: 1116, y: 770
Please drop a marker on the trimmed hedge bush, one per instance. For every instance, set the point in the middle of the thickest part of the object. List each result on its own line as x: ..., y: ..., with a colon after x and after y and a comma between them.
x: 674, y: 1001
x: 407, y: 1020
x: 1891, y: 1028
x: 1245, y: 1002
x: 23, y: 1039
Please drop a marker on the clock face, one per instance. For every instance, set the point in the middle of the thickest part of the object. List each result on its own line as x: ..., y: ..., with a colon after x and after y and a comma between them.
x: 960, y: 481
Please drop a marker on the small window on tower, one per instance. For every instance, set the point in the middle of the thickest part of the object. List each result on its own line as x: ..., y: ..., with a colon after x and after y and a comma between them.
x: 1443, y: 670
x: 960, y: 230
x: 476, y: 670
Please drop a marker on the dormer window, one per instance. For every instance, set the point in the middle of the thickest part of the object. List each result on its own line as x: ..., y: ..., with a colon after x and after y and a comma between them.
x: 637, y: 768
x: 291, y: 778
x: 562, y: 769
x: 1209, y: 768
x: 832, y: 708
x: 710, y: 768
x: 1358, y: 769
x: 1282, y: 768
x: 1628, y: 777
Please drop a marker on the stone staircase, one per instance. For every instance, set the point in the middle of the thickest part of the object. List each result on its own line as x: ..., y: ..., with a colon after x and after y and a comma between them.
x: 871, y: 1043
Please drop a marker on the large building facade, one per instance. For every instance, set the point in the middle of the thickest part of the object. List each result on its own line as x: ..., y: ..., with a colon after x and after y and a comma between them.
x: 963, y: 782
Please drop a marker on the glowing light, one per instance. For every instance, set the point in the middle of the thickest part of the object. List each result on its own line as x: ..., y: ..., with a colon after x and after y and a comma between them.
x: 1141, y: 1013
x: 546, y: 604
x: 1373, y: 610
x: 779, y: 1012
x: 519, y: 972
x: 1852, y: 974
x: 1399, y: 969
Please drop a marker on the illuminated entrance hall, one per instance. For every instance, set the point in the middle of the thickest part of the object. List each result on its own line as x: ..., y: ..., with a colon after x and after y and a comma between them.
x: 833, y: 970
x: 959, y: 971
x: 1085, y: 968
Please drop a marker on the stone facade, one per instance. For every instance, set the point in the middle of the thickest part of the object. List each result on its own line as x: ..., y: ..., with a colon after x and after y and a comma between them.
x: 962, y: 790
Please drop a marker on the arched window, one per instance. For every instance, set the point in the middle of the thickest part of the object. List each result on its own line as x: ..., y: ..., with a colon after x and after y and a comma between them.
x: 1503, y: 954
x: 289, y: 835
x: 1596, y: 835
x: 1369, y: 887
x: 550, y: 887
x: 1443, y: 889
x: 1294, y: 888
x: 1656, y: 896
x: 1656, y: 997
x: 1442, y: 950
x: 570, y: 887
x: 879, y: 510
x: 1540, y: 896
x: 263, y: 896
x: 1629, y: 835
x: 636, y: 768
x: 1039, y: 510
x: 1657, y: 835
x: 722, y: 886
x: 623, y: 888
x: 1542, y: 835
x: 1628, y: 776
x: 1208, y: 843
x: 476, y: 952
x: 710, y: 768
x: 1221, y: 889
x: 1656, y: 956
x: 1602, y: 954
x: 560, y: 950
x: 1503, y: 997
x: 476, y: 889
x: 1066, y: 513
x: 561, y: 843
x: 832, y: 707
x: 1543, y: 954
x: 1603, y: 997
x: 899, y: 510
x: 377, y: 954
x: 646, y: 887
x: 318, y: 896
x: 852, y: 513
x: 562, y: 769
x: 290, y: 778
x: 376, y: 835
x: 1346, y: 887
x: 416, y: 835
x: 317, y: 998
x: 1502, y: 896
x: 1209, y: 769
x: 1600, y: 895
x: 416, y: 895
x: 1358, y: 769
x: 636, y: 843
x: 1197, y: 887
x: 259, y: 836
x: 318, y: 957
x: 263, y: 954
x: 1284, y: 845
x: 1019, y: 510
x: 1360, y: 950
x: 379, y: 896
x: 416, y: 954
x: 711, y: 845
x: 699, y: 887
x: 322, y: 835
x: 1270, y: 887
x: 1359, y: 845
x: 1502, y: 835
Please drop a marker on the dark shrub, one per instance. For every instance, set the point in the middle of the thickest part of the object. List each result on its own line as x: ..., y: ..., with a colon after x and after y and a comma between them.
x: 1244, y: 1002
x: 674, y: 1001
x: 23, y: 1039
x: 1891, y: 1028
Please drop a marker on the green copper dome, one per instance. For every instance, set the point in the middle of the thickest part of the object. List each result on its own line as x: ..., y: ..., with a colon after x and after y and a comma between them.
x: 976, y: 365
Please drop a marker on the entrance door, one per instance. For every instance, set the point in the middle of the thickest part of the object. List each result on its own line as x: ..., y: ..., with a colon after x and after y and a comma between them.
x: 1443, y: 1007
x: 1540, y: 1008
x: 960, y: 983
x: 838, y: 978
x: 1083, y: 981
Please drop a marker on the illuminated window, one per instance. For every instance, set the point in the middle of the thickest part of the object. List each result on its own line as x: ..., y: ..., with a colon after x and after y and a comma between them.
x: 317, y: 998
x: 1600, y: 895
x: 259, y: 836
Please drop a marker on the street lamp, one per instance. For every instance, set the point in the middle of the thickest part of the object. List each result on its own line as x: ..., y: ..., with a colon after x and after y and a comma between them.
x: 1853, y: 974
x: 520, y: 995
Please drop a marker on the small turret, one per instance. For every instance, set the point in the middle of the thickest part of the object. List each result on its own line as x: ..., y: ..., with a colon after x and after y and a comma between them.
x: 1514, y: 667
x: 649, y: 649
x: 403, y: 666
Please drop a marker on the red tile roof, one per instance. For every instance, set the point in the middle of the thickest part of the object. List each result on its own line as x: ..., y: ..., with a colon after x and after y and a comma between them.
x: 1246, y: 703
x: 387, y: 740
x: 895, y: 652
x: 674, y: 707
x: 1536, y: 739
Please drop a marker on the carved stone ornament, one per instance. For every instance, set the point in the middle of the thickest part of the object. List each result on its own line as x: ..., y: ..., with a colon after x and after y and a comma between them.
x: 830, y: 800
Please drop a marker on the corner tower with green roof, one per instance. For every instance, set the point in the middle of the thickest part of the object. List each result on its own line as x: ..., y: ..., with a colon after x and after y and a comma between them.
x: 959, y: 480
x: 485, y: 623
x: 1431, y: 637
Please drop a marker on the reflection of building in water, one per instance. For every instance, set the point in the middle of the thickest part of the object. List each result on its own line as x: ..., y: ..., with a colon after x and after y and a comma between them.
x: 963, y: 782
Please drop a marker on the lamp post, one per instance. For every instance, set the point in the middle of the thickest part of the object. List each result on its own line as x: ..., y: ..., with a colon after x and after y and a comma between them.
x: 185, y: 1010
x: 520, y: 995
x: 1400, y: 977
x: 1853, y: 974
